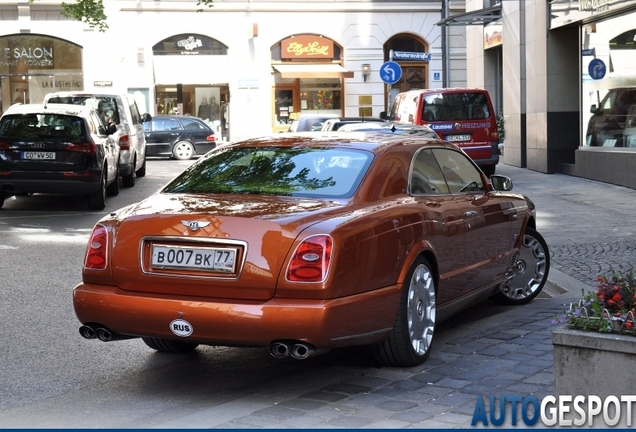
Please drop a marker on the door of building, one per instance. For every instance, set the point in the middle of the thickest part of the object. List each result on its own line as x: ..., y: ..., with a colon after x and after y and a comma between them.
x: 285, y: 107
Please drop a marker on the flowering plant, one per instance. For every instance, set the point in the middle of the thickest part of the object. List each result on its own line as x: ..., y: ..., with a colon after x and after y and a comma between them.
x: 611, y: 308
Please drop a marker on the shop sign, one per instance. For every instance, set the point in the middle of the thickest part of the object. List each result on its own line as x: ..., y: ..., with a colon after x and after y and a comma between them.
x: 307, y: 47
x: 189, y: 44
x: 22, y: 54
x: 567, y: 12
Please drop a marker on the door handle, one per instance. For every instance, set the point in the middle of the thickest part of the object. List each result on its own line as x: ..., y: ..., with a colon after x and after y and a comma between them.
x: 470, y: 213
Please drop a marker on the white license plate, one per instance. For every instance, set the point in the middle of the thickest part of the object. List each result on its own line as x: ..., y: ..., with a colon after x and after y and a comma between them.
x: 183, y: 257
x: 454, y: 138
x: 38, y: 155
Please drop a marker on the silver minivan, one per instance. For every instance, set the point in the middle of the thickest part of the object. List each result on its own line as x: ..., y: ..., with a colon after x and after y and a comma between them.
x: 119, y: 110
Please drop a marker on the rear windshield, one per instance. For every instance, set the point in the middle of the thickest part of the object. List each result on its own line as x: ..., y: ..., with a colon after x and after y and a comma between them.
x: 106, y: 106
x: 43, y: 126
x: 455, y: 106
x: 275, y: 171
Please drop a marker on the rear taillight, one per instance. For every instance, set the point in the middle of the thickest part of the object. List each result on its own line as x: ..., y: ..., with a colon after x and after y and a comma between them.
x: 210, y: 138
x: 97, y: 248
x: 494, y: 136
x: 88, y: 148
x: 124, y: 142
x: 311, y: 261
x: 5, y: 146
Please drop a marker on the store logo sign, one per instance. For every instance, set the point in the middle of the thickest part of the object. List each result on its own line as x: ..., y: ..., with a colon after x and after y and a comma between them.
x: 306, y: 47
x: 189, y: 44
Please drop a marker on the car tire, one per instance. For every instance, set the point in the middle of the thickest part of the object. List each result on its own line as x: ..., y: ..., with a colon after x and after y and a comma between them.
x: 183, y: 150
x: 530, y: 272
x: 410, y: 341
x: 129, y: 180
x: 141, y: 172
x: 169, y: 346
x: 113, y: 188
x: 97, y: 199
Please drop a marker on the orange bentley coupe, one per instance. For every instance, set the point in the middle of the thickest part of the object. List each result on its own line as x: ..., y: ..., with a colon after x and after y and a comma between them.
x: 307, y: 242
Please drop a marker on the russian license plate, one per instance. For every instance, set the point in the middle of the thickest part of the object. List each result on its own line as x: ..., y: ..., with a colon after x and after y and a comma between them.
x: 185, y: 257
x: 454, y: 138
x: 38, y: 155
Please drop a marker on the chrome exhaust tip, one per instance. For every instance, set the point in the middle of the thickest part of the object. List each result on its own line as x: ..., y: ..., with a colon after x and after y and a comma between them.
x: 300, y: 351
x: 87, y: 332
x: 279, y: 350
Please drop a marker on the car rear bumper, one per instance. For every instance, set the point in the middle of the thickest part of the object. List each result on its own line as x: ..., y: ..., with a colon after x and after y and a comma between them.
x: 484, y: 154
x: 54, y: 184
x: 355, y: 320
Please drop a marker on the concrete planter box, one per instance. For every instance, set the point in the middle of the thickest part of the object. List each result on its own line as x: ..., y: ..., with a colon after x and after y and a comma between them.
x: 587, y: 363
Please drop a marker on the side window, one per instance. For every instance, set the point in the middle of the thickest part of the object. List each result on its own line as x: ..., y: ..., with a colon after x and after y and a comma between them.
x: 134, y: 112
x: 191, y: 125
x: 426, y: 175
x: 460, y: 174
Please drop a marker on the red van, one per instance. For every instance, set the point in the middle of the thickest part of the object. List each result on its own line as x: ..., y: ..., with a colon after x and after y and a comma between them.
x: 464, y: 116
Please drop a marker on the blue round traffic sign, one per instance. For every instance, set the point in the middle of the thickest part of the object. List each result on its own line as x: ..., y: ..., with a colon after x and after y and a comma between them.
x: 597, y: 69
x: 390, y: 72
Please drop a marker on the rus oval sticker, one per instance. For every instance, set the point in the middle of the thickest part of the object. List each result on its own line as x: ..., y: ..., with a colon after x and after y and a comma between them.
x: 181, y: 328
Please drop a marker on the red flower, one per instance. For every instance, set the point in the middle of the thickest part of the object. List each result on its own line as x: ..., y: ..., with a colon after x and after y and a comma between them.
x: 617, y: 297
x: 629, y: 325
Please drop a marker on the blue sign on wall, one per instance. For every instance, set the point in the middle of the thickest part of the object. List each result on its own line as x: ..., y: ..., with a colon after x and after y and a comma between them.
x: 390, y: 72
x: 597, y: 69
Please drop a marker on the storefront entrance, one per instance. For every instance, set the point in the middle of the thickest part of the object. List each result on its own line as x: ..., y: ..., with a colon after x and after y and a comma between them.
x: 308, y: 79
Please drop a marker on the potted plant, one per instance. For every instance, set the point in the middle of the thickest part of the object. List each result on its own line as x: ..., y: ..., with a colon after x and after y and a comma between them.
x: 596, y: 335
x: 612, y: 308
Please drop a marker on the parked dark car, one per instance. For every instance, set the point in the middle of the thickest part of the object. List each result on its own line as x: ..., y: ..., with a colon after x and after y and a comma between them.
x: 58, y: 149
x: 179, y: 137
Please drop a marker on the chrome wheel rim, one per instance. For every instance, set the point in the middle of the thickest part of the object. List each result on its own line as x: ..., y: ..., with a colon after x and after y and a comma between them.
x: 421, y: 309
x: 529, y: 270
x: 183, y: 151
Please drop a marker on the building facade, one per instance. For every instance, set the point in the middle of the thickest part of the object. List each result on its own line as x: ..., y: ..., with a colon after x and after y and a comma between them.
x: 248, y: 68
x: 566, y: 72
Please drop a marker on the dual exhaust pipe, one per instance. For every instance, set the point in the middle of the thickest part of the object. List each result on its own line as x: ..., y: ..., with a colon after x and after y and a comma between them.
x: 297, y: 350
x: 100, y: 332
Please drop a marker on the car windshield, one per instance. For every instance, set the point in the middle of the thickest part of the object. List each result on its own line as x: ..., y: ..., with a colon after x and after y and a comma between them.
x: 455, y: 106
x: 276, y: 171
x: 31, y: 126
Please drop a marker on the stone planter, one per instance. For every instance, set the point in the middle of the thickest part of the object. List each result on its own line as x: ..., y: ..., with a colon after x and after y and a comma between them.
x: 593, y: 363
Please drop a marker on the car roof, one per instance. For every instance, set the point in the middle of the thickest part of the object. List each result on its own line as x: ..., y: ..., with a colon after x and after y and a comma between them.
x: 376, y: 142
x: 68, y: 109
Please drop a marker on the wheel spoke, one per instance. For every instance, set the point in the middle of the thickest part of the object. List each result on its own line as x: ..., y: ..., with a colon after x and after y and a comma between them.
x: 421, y: 309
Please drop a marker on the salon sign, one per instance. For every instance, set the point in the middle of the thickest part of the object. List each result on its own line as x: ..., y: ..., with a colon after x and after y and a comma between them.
x: 307, y: 47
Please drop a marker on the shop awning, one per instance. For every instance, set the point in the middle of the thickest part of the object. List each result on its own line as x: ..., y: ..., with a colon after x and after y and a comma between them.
x: 312, y: 71
x: 477, y: 17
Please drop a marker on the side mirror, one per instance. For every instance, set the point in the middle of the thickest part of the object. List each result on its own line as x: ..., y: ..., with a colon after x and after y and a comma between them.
x: 146, y: 117
x: 501, y: 183
x: 383, y: 115
x: 595, y: 110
